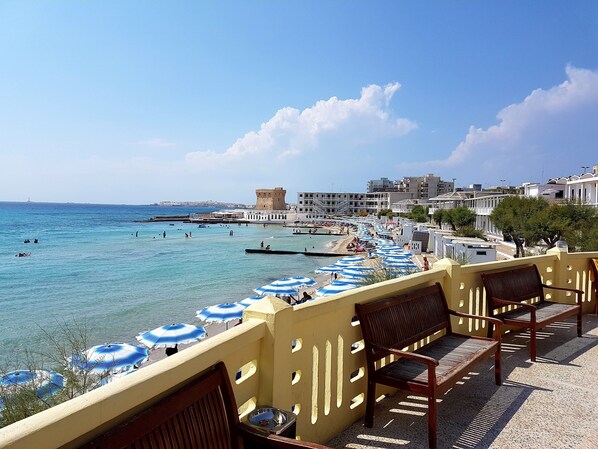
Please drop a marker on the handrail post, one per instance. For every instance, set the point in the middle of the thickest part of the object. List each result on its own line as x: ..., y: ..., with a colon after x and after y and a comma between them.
x: 450, y: 282
x: 561, y: 271
x: 274, y: 364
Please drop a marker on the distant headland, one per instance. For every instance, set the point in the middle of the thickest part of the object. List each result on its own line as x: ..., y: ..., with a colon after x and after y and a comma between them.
x: 209, y: 203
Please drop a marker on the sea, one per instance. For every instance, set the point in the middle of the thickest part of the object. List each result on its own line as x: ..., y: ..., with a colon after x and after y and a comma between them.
x: 100, y: 268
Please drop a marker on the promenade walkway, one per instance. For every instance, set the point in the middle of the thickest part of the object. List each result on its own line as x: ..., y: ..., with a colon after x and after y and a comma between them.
x: 550, y: 404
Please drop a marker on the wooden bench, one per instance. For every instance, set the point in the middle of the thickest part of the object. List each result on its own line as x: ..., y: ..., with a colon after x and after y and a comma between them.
x: 202, y: 414
x: 390, y: 325
x: 594, y: 270
x: 512, y: 287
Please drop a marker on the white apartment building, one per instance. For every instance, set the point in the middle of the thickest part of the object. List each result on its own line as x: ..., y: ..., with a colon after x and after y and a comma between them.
x: 583, y: 188
x: 312, y: 205
x: 483, y: 207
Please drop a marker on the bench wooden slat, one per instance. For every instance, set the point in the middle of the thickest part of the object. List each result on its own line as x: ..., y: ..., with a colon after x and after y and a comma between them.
x: 391, y: 324
x: 525, y: 284
x: 454, y: 353
x: 200, y: 415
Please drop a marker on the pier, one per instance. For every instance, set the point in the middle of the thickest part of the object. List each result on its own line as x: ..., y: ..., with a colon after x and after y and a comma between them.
x: 306, y: 253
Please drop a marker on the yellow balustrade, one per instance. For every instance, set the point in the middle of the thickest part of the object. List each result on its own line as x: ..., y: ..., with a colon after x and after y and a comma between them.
x: 308, y: 358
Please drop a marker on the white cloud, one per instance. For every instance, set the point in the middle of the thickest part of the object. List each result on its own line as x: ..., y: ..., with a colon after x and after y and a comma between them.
x: 291, y: 133
x: 550, y: 133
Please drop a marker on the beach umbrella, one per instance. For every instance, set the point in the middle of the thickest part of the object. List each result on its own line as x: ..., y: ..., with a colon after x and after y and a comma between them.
x: 334, y: 288
x: 359, y: 268
x: 250, y: 300
x: 391, y: 263
x: 282, y: 287
x: 222, y: 313
x: 112, y: 357
x: 344, y: 263
x: 354, y: 274
x: 347, y: 281
x: 171, y: 335
x: 330, y: 269
x: 352, y: 259
x: 304, y: 281
x: 44, y: 382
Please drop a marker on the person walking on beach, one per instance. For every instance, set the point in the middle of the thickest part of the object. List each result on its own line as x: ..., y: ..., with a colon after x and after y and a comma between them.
x: 426, y: 264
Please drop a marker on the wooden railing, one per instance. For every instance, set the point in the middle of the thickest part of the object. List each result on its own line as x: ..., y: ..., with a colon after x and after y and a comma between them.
x: 308, y: 358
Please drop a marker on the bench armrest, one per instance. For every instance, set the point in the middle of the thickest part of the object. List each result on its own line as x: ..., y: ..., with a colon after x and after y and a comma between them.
x: 497, y: 323
x: 579, y: 292
x: 504, y: 302
x: 266, y: 439
x: 409, y: 355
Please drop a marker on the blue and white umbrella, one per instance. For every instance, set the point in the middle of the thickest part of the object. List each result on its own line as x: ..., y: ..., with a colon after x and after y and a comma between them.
x: 221, y: 312
x: 359, y: 268
x: 250, y: 300
x: 335, y: 287
x: 346, y: 263
x: 334, y: 268
x: 352, y: 259
x: 171, y: 335
x: 44, y: 382
x: 278, y: 288
x: 354, y: 274
x: 113, y: 357
x: 304, y: 281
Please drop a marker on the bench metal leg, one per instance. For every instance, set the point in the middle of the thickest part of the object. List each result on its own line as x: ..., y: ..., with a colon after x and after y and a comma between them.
x: 533, y: 343
x: 579, y: 324
x: 370, y: 404
x: 497, y: 366
x: 432, y: 421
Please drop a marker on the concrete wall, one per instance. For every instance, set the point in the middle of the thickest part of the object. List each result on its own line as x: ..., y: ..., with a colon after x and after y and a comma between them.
x: 308, y: 358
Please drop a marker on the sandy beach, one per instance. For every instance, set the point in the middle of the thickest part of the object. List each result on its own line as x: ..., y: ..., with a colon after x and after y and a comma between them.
x: 214, y: 328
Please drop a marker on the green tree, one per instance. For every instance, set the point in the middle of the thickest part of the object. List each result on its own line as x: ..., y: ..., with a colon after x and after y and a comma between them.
x: 23, y: 400
x: 438, y: 217
x: 513, y: 216
x: 460, y: 217
x: 582, y: 232
x: 418, y: 213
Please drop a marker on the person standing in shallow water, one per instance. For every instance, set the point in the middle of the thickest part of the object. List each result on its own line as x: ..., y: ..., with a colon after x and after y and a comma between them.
x: 164, y: 234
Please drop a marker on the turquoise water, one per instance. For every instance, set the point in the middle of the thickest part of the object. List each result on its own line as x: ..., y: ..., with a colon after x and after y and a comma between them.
x: 89, y: 266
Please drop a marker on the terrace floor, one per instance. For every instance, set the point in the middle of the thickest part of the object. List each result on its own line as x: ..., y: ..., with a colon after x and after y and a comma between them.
x: 552, y: 403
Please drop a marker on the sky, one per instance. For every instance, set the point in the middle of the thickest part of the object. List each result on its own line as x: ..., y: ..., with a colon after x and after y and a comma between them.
x: 136, y: 102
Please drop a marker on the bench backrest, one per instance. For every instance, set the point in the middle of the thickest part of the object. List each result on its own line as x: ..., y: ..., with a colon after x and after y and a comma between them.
x: 400, y: 321
x: 202, y: 414
x: 519, y: 284
x: 594, y: 270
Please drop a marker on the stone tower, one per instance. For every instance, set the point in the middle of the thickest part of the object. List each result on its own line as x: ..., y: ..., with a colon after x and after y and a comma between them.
x: 270, y: 199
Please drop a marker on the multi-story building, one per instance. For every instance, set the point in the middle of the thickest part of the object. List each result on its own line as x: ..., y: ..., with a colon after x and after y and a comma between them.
x: 424, y: 187
x: 382, y: 185
x: 312, y: 205
x: 583, y: 188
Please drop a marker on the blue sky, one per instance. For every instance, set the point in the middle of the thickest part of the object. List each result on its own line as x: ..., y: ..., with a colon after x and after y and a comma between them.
x: 135, y: 102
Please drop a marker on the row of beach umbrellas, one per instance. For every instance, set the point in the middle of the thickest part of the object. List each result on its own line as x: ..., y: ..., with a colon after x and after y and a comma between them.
x: 120, y: 358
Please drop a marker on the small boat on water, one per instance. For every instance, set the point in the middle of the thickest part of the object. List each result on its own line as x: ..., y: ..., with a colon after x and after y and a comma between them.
x: 201, y: 226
